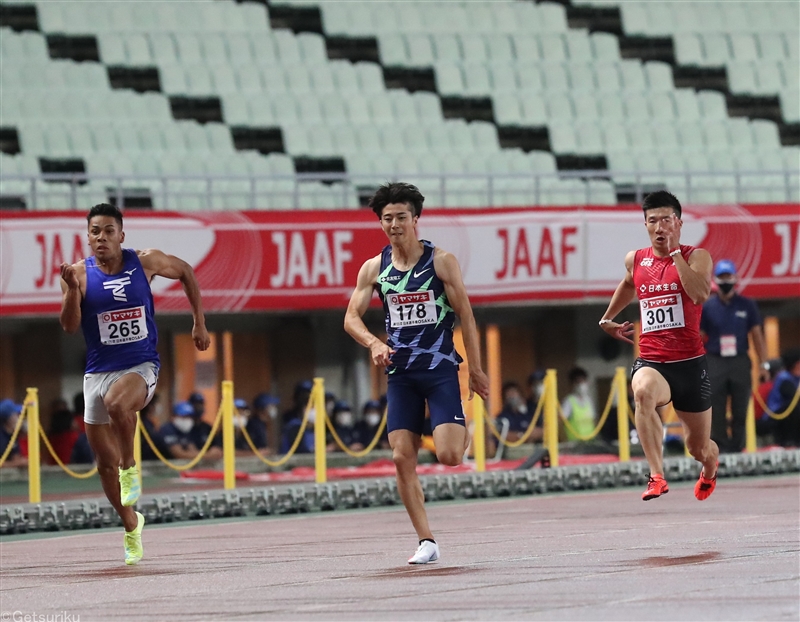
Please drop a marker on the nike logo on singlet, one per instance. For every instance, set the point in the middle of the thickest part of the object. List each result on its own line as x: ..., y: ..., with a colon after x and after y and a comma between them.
x: 420, y: 273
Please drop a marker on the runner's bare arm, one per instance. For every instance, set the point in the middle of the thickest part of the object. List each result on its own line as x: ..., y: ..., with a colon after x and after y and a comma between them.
x: 357, y: 307
x: 71, y: 276
x: 622, y: 297
x: 695, y: 274
x: 158, y: 263
x: 449, y: 272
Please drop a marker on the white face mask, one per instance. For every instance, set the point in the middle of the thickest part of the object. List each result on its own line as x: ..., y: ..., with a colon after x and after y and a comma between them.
x: 373, y: 419
x: 582, y: 389
x: 272, y: 411
x: 539, y: 391
x: 183, y: 424
x: 344, y: 419
x: 312, y: 415
x: 239, y: 421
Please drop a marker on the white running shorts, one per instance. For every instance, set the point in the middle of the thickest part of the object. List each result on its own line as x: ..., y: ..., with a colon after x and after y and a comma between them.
x: 95, y: 387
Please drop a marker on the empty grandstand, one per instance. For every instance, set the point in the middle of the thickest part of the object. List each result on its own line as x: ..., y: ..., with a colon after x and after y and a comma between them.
x: 309, y: 104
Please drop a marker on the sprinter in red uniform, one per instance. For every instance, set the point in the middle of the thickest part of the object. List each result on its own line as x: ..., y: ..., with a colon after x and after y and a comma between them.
x: 672, y: 282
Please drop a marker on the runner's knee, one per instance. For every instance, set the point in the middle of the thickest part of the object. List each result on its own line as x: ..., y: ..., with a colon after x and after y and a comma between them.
x: 449, y: 457
x: 644, y: 397
x: 404, y: 456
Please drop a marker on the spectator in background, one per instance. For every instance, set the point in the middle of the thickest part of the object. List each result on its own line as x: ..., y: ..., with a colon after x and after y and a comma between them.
x: 302, y: 391
x: 9, y: 415
x: 577, y: 406
x: 291, y: 428
x: 727, y: 320
x: 787, y: 430
x: 262, y: 426
x: 180, y: 435
x: 344, y: 422
x: 535, y: 392
x: 152, y: 424
x: 78, y: 408
x: 241, y: 416
x: 61, y: 432
x: 82, y: 452
x: 202, y: 429
x: 367, y: 427
x: 515, y: 411
x: 330, y: 404
x: 763, y: 421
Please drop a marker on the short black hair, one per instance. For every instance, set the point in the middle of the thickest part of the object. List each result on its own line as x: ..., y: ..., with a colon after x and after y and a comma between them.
x: 105, y: 209
x: 790, y: 358
x: 397, y: 192
x: 576, y: 373
x: 661, y: 198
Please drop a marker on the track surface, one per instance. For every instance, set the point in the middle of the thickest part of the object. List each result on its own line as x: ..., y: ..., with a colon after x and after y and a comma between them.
x: 584, y: 556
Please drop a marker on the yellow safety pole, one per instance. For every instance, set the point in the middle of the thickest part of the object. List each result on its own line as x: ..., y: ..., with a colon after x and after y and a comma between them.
x: 551, y: 415
x: 228, y: 450
x: 34, y: 472
x: 494, y: 369
x: 320, y: 457
x: 478, y: 436
x: 751, y: 444
x: 137, y: 447
x: 623, y: 412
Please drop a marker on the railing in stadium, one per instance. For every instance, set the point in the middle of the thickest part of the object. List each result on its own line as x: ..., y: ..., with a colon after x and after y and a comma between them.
x: 548, y: 405
x: 341, y: 190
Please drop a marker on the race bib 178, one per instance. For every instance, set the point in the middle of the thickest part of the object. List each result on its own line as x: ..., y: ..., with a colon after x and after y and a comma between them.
x: 122, y: 326
x: 411, y: 309
x: 662, y: 313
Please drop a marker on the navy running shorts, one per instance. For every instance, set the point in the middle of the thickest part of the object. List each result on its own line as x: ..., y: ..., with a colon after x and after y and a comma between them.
x: 688, y: 382
x: 409, y: 390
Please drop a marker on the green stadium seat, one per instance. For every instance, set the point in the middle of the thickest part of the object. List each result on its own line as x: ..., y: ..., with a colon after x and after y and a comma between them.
x: 552, y: 48
x: 605, y: 46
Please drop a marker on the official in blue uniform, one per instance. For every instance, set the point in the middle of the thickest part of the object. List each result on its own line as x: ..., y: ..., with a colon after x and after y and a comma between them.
x: 108, y: 296
x: 422, y: 292
x: 727, y: 320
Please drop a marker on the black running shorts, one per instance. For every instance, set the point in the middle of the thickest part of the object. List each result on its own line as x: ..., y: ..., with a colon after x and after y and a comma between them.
x: 688, y: 381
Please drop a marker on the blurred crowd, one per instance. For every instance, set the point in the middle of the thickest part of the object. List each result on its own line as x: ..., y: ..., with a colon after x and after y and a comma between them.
x: 180, y: 432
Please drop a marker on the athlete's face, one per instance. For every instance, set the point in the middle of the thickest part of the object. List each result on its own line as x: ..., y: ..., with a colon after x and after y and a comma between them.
x: 398, y: 222
x: 105, y: 237
x: 664, y: 228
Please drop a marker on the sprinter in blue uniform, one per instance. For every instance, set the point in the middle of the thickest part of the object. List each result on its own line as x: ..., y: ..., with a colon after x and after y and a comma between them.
x: 108, y: 296
x: 422, y: 292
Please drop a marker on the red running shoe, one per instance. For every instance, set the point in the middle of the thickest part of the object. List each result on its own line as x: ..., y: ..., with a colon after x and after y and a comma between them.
x: 656, y: 487
x: 705, y: 486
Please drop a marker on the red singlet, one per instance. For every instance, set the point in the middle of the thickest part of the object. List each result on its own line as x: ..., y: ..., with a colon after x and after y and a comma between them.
x: 670, y: 329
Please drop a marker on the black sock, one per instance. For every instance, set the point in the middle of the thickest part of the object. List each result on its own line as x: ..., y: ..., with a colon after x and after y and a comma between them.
x: 427, y: 540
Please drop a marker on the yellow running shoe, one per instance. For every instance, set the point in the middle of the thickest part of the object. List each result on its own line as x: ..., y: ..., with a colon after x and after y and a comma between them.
x: 129, y: 489
x: 134, y: 551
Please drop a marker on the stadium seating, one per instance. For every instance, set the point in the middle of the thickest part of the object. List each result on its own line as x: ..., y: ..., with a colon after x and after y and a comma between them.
x: 536, y: 71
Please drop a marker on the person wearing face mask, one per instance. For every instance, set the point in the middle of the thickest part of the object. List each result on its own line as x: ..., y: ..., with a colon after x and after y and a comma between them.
x: 535, y: 392
x: 578, y: 407
x: 9, y: 414
x: 345, y: 425
x: 727, y: 321
x: 367, y: 427
x: 262, y: 426
x: 177, y: 434
x: 515, y: 411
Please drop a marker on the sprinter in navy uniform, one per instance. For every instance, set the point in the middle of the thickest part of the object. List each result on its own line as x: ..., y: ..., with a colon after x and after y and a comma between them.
x: 108, y: 296
x: 422, y: 292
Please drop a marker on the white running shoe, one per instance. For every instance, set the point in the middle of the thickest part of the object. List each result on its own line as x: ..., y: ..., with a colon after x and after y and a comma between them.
x: 426, y: 552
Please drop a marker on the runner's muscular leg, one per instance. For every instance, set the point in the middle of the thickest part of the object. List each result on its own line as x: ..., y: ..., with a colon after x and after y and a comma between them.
x: 405, y: 445
x: 650, y: 390
x: 123, y: 399
x: 697, y: 427
x: 451, y: 441
x: 103, y: 441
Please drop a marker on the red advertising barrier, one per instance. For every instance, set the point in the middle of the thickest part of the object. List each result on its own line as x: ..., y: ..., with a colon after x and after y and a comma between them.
x: 293, y: 260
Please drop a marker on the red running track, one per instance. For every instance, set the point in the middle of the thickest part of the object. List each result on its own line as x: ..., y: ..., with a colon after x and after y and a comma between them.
x: 582, y: 556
